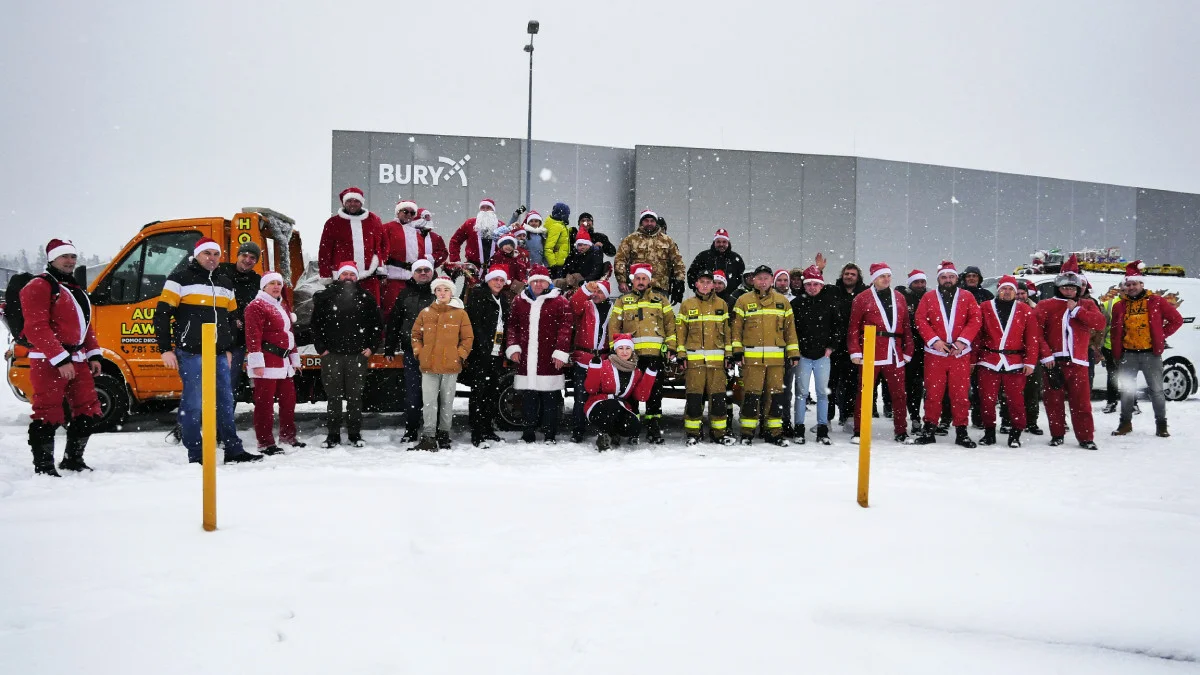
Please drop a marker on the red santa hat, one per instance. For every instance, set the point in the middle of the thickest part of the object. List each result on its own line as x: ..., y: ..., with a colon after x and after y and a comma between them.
x: 487, y: 201
x: 441, y: 281
x: 420, y: 264
x: 779, y: 273
x: 622, y: 340
x: 604, y: 288
x: 204, y: 244
x: 352, y: 193
x: 496, y: 272
x: 812, y: 273
x: 879, y: 269
x: 916, y: 275
x: 641, y: 268
x: 1031, y: 288
x: 539, y: 273
x: 719, y: 275
x: 583, y: 237
x: 58, y: 247
x: 1072, y: 265
x: 1134, y: 271
x: 1007, y: 280
x: 268, y: 278
x: 532, y: 215
x: 722, y: 233
x: 405, y: 204
x: 644, y: 213
x: 946, y: 267
x: 349, y: 266
x: 507, y: 239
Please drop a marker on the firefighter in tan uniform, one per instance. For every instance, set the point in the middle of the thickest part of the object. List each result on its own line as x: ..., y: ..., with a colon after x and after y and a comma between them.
x: 704, y: 346
x: 764, y: 344
x: 646, y: 314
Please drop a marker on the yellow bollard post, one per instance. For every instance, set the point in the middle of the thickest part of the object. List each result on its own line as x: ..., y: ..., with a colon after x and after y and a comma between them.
x: 208, y: 392
x: 864, y: 415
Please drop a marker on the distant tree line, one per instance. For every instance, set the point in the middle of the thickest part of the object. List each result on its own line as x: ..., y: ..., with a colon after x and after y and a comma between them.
x: 25, y: 261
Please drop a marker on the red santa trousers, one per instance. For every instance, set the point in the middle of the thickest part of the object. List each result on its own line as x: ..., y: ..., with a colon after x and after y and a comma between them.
x: 1078, y: 394
x: 895, y: 381
x: 265, y: 393
x: 1014, y: 391
x: 391, y: 291
x: 942, y: 372
x: 50, y: 390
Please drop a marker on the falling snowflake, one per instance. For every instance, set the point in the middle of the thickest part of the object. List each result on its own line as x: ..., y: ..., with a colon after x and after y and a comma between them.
x: 545, y: 175
x: 953, y: 199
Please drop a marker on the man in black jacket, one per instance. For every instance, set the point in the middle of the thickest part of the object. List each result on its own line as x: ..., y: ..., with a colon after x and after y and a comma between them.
x: 972, y: 280
x: 843, y: 378
x: 346, y: 331
x: 416, y: 296
x: 245, y: 289
x: 488, y: 308
x: 584, y: 263
x: 817, y: 326
x: 194, y: 296
x: 719, y: 256
x: 586, y: 222
x: 914, y: 372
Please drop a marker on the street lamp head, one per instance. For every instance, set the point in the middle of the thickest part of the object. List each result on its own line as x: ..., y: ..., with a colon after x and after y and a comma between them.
x: 532, y: 28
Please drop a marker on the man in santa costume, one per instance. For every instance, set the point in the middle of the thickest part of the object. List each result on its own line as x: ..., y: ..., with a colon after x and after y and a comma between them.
x: 1066, y: 322
x: 476, y: 235
x: 884, y: 308
x: 357, y: 235
x: 1006, y: 354
x: 63, y: 357
x: 539, y: 343
x: 271, y: 362
x: 410, y: 237
x: 948, y: 320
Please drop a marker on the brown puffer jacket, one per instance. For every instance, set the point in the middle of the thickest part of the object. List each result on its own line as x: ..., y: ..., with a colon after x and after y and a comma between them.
x: 442, y: 338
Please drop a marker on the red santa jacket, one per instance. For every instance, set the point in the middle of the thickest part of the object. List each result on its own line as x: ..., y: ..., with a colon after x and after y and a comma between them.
x: 893, y: 341
x: 1067, y: 334
x: 932, y: 321
x: 269, y: 322
x: 591, y: 327
x: 603, y: 379
x: 1164, y: 321
x: 359, y: 238
x: 1007, y: 346
x: 466, y: 234
x: 539, y: 329
x: 60, y: 329
x: 407, y: 244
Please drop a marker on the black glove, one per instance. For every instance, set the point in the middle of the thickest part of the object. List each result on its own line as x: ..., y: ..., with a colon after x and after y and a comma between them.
x: 596, y: 357
x: 676, y: 291
x: 737, y: 357
x: 793, y: 361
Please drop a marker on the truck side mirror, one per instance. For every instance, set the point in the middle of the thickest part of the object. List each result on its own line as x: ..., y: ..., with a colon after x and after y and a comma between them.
x: 81, y: 276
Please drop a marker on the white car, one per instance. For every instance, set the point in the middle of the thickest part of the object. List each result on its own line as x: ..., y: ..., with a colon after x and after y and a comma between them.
x: 1182, y: 356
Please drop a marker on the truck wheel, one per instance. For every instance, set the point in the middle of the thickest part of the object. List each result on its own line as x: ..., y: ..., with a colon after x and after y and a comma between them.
x: 1178, y: 381
x: 114, y: 401
x: 509, y: 416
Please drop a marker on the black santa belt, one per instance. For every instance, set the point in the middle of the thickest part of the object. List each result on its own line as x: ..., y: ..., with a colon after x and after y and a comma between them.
x: 884, y: 333
x: 277, y: 351
x: 1020, y: 352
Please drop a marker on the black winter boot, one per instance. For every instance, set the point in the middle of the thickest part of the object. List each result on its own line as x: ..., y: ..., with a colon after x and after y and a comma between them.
x: 823, y: 434
x: 333, y: 436
x: 654, y: 432
x: 1160, y: 429
x: 1014, y: 438
x: 78, y: 434
x: 443, y: 440
x: 943, y: 427
x: 928, y: 435
x: 41, y: 442
x: 411, y: 435
x: 798, y: 434
x: 989, y: 436
x: 961, y: 438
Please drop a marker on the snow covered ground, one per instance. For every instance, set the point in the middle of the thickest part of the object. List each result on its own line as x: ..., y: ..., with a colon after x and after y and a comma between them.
x: 535, y: 559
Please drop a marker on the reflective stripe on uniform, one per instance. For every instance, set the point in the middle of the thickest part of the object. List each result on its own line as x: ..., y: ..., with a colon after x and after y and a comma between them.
x: 691, y: 424
x: 706, y: 355
x: 775, y: 423
x: 707, y: 317
x: 719, y: 423
x: 764, y: 352
x: 765, y: 312
x: 751, y: 423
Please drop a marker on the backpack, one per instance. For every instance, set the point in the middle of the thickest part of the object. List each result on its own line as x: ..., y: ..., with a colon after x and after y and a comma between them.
x: 13, y: 316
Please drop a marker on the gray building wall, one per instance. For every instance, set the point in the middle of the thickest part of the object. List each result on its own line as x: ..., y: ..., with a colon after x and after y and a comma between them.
x: 781, y: 209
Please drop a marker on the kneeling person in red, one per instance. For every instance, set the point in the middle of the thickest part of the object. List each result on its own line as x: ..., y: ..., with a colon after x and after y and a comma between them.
x: 611, y: 384
x: 948, y: 321
x: 1006, y: 354
x: 63, y: 357
x: 272, y: 360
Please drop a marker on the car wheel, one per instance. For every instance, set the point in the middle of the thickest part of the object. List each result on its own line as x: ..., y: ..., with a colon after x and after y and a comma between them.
x: 114, y: 401
x: 1178, y: 381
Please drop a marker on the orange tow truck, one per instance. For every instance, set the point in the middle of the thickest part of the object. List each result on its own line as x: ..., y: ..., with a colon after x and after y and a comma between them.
x: 125, y: 294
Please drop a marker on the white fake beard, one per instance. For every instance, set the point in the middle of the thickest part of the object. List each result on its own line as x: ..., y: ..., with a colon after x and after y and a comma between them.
x: 486, y: 223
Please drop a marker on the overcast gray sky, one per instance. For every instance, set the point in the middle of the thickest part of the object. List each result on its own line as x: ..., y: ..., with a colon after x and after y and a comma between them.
x: 118, y: 113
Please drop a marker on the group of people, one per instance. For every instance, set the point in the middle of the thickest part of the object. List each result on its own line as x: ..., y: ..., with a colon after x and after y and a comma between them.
x: 537, y: 298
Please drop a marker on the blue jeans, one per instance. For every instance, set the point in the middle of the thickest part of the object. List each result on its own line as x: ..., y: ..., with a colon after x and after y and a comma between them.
x: 412, y: 393
x: 235, y: 369
x: 191, y: 405
x: 803, y: 373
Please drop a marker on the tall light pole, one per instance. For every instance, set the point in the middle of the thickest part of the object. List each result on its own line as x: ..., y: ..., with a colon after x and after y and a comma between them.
x: 532, y: 29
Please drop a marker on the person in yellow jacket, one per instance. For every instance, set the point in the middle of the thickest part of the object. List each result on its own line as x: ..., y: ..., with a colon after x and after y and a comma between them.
x: 558, y: 239
x: 1111, y: 396
x: 765, y: 345
x: 645, y: 313
x: 704, y: 346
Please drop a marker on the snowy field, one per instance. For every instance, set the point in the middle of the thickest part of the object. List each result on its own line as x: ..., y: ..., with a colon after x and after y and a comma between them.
x: 532, y: 559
